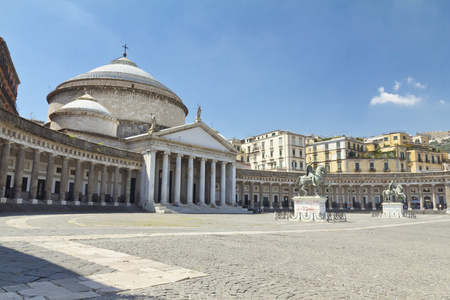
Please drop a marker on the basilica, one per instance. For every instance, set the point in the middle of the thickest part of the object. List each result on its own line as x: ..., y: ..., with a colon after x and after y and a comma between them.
x: 115, y: 135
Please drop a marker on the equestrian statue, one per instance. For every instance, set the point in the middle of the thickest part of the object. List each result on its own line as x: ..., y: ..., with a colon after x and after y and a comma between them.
x: 395, y: 190
x: 311, y: 179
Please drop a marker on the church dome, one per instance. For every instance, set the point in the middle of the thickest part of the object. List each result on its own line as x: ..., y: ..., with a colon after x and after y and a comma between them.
x: 84, y: 114
x: 131, y: 95
x: 124, y: 69
x: 86, y: 104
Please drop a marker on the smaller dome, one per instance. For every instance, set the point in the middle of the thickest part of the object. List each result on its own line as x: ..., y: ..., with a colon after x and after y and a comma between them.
x: 86, y: 103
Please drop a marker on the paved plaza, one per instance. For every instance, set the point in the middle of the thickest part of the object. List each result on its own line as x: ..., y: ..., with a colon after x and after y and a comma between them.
x: 231, y: 256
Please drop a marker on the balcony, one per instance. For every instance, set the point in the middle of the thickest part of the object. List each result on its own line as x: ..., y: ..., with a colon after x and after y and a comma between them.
x: 372, y: 169
x: 387, y: 170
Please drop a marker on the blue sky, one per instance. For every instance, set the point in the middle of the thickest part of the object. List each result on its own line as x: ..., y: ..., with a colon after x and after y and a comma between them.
x: 359, y: 68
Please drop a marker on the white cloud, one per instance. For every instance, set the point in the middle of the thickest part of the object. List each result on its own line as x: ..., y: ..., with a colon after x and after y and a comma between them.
x: 416, y: 84
x: 442, y: 102
x: 397, y: 85
x: 384, y: 97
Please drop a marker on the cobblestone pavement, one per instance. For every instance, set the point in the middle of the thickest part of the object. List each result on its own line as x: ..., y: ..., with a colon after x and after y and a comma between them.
x: 155, y: 256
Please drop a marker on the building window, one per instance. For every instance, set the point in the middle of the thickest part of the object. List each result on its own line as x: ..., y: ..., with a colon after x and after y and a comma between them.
x: 439, y: 159
x: 271, y: 153
x: 386, y: 166
x: 395, y: 138
x: 385, y: 139
x: 263, y: 155
x: 314, y: 148
x: 281, y: 164
x: 293, y: 152
x: 301, y: 165
x: 263, y: 145
x: 24, y: 184
x: 338, y: 145
x: 57, y: 186
x: 339, y: 167
x: 315, y: 157
x: 338, y: 155
x: 372, y: 166
x: 357, y: 167
x: 293, y: 140
x: 281, y: 152
x: 349, y: 145
x: 326, y: 146
x: 327, y: 156
x: 432, y: 159
x: 419, y: 157
x: 280, y: 141
x: 271, y: 143
x: 294, y: 165
x: 300, y: 153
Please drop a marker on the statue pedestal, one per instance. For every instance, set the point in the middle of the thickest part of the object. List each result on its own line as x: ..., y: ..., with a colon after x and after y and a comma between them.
x: 310, y: 208
x: 392, y: 210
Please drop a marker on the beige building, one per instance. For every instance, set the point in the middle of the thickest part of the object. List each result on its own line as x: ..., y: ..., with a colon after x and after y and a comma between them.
x: 277, y: 150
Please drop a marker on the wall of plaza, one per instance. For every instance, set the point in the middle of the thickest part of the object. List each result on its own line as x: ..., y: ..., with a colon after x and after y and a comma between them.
x: 361, y: 190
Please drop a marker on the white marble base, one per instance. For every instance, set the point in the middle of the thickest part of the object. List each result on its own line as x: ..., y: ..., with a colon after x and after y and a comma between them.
x: 34, y: 201
x: 103, y: 203
x: 309, y: 204
x: 19, y: 200
x: 127, y: 204
x: 49, y: 202
x: 76, y: 202
x: 63, y: 202
x: 116, y: 203
x: 310, y: 208
x: 2, y: 200
x: 392, y: 210
x: 90, y: 203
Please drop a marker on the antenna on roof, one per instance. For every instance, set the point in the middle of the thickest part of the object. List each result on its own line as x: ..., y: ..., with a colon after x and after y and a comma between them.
x: 125, y: 50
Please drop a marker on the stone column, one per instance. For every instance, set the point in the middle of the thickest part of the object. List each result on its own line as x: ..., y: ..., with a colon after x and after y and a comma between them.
x: 177, y: 197
x: 103, y: 185
x: 150, y: 169
x: 202, y: 181
x: 49, y: 178
x: 290, y: 195
x: 361, y: 194
x: 64, y: 180
x: 223, y: 178
x: 165, y: 179
x: 137, y: 191
x: 34, y: 176
x: 340, y: 196
x: 78, y: 184
x: 212, y: 192
x: 116, y: 196
x: 91, y: 182
x: 408, y: 196
x: 190, y: 181
x: 251, y: 202
x: 433, y: 191
x: 18, y: 174
x: 128, y: 187
x: 374, y: 206
x: 242, y: 193
x: 261, y: 195
x: 422, y: 206
x: 233, y: 183
x: 270, y: 196
x: 350, y: 197
x: 330, y: 200
x: 4, y: 169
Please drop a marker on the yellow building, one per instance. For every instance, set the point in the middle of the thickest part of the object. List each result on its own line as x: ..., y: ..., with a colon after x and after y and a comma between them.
x: 392, y: 152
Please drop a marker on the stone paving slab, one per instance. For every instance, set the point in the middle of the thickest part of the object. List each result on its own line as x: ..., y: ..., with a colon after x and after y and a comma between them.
x: 109, y: 256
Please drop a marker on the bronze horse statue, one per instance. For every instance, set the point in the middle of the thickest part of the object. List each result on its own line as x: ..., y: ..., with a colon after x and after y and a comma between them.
x: 311, y: 179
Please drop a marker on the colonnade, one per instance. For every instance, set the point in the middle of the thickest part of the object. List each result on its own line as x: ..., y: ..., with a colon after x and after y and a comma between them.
x: 276, y: 194
x: 177, y: 178
x: 50, y: 177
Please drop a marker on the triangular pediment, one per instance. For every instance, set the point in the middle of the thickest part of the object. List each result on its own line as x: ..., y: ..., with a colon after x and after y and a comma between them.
x: 196, y: 134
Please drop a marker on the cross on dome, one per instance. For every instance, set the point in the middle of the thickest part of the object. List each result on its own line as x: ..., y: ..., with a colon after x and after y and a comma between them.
x: 125, y: 48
